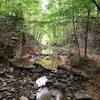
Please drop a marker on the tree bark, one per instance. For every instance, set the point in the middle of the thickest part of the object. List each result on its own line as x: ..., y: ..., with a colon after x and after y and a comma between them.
x: 75, y: 35
x: 86, y: 34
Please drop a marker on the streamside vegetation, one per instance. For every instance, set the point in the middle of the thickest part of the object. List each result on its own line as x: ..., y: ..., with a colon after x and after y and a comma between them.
x: 56, y: 39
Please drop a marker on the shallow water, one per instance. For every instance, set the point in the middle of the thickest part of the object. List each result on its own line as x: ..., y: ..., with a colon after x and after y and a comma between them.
x: 43, y: 93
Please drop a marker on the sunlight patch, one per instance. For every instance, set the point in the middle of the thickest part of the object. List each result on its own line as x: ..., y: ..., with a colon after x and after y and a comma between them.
x: 45, y: 39
x: 44, y: 4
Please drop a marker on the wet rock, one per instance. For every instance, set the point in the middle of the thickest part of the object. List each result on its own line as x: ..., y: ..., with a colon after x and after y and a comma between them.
x: 2, y: 85
x: 62, y: 81
x: 69, y: 95
x: 2, y: 79
x: 32, y: 97
x: 4, y: 89
x: 12, y: 90
x: 1, y: 97
x: 67, y: 78
x: 9, y: 76
x: 82, y: 96
x: 14, y: 38
x: 2, y: 72
x: 69, y: 98
x: 11, y: 80
x: 23, y: 98
x: 11, y: 70
x: 81, y: 75
x: 31, y: 82
x: 60, y: 86
x: 63, y: 67
x: 8, y: 94
x: 40, y: 69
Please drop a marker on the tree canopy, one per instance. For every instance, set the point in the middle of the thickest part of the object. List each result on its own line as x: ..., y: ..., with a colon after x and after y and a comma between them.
x: 50, y: 16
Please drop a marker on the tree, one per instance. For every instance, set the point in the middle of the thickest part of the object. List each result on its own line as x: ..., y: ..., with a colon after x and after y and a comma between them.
x: 58, y: 14
x: 86, y: 33
x: 97, y: 5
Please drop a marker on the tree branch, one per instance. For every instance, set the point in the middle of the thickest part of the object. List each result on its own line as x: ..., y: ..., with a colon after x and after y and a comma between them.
x: 98, y: 7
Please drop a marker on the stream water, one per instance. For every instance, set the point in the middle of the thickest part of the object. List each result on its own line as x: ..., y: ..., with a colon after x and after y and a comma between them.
x: 19, y: 83
x: 44, y: 93
x: 50, y: 63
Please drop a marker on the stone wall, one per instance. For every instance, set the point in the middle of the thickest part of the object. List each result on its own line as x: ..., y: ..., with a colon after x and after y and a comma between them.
x: 10, y: 35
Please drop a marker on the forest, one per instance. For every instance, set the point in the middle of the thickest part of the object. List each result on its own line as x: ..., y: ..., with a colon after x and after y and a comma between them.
x: 49, y: 49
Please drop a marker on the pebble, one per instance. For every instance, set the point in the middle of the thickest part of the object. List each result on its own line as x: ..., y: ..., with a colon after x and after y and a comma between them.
x: 9, y: 76
x: 82, y: 96
x: 23, y: 98
x: 11, y: 80
x: 1, y: 97
x: 11, y: 70
x: 32, y: 97
x: 4, y: 89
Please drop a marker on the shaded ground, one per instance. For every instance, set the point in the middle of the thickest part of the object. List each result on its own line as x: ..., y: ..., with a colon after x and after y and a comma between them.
x: 18, y: 80
x: 93, y: 85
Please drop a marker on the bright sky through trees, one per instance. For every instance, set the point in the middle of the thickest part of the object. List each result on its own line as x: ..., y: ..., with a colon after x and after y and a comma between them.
x: 45, y: 39
x: 44, y: 4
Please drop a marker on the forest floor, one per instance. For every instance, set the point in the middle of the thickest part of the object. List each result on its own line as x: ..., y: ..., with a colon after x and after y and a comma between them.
x: 17, y: 81
x: 92, y: 87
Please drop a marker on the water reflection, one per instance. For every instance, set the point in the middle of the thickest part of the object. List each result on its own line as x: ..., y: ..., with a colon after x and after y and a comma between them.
x: 45, y: 93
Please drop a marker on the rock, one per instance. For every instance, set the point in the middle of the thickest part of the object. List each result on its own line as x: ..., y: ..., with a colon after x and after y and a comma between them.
x: 11, y: 70
x: 14, y: 38
x: 2, y: 72
x: 12, y: 90
x: 40, y: 69
x: 10, y: 80
x: 63, y: 67
x: 4, y: 89
x: 82, y: 96
x: 59, y: 86
x: 81, y: 76
x: 85, y: 76
x: 2, y: 79
x: 8, y: 94
x: 23, y: 98
x: 62, y: 81
x: 32, y: 97
x: 1, y: 97
x: 10, y: 76
x: 2, y: 84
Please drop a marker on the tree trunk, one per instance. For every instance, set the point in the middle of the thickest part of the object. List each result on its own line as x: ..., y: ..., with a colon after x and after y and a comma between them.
x: 98, y: 6
x: 86, y: 33
x: 75, y: 35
